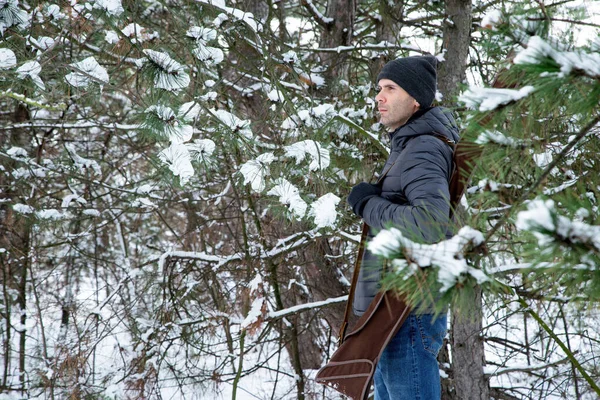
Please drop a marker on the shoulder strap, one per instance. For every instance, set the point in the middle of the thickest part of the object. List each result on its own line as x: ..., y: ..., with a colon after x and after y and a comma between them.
x: 464, y: 155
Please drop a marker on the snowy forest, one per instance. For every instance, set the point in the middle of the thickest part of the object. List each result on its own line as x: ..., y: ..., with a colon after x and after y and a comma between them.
x: 173, y: 183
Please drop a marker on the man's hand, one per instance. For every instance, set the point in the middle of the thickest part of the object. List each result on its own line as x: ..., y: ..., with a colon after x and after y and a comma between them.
x: 360, y: 194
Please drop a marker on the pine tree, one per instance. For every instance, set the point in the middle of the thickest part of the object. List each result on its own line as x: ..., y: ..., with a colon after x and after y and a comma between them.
x: 173, y: 181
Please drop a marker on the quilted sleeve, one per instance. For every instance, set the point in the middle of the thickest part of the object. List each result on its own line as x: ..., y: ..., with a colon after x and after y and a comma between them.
x: 424, y: 174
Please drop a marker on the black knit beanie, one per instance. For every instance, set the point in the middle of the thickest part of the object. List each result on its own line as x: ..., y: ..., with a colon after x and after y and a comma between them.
x: 416, y: 75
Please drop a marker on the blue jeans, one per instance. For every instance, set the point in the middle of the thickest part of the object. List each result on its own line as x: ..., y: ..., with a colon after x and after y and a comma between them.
x: 408, y: 368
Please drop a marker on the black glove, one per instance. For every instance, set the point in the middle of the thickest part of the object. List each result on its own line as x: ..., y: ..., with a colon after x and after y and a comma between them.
x: 360, y: 194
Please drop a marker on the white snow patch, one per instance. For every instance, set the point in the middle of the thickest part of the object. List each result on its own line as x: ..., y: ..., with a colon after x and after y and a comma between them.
x: 276, y: 95
x: 17, y: 152
x: 177, y: 157
x: 138, y: 33
x: 8, y: 59
x: 233, y: 122
x: 319, y: 155
x: 255, y: 171
x: 32, y: 70
x: 446, y: 256
x: 92, y: 212
x: 487, y: 99
x: 202, y: 150
x: 82, y: 163
x: 542, y: 160
x: 324, y: 210
x: 171, y: 75
x: 112, y: 7
x: 497, y: 137
x: 88, y: 70
x: 538, y: 49
x: 23, y: 209
x: 189, y: 111
x: 49, y: 214
x: 239, y: 15
x: 491, y: 19
x: 290, y: 196
x: 111, y: 37
x: 290, y: 57
x: 172, y: 129
x: 543, y: 220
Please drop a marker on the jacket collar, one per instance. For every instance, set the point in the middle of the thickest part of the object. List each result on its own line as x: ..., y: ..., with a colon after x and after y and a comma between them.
x: 427, y: 121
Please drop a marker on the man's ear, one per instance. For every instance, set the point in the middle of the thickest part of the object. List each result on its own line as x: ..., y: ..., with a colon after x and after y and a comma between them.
x: 416, y: 105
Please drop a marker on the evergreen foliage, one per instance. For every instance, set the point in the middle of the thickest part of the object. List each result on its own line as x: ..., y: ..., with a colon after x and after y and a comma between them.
x: 173, y: 179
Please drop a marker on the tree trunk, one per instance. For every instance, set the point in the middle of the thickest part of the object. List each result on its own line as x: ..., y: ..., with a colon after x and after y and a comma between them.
x: 387, y: 30
x: 15, y: 235
x: 338, y: 32
x: 468, y: 356
x: 457, y: 38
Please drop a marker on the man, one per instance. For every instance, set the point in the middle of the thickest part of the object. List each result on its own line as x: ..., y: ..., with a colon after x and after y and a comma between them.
x: 414, y: 197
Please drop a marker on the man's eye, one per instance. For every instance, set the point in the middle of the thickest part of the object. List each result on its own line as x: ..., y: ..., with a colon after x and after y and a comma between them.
x: 378, y: 89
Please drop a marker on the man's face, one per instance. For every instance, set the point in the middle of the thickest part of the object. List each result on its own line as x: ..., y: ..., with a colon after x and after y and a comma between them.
x: 394, y: 104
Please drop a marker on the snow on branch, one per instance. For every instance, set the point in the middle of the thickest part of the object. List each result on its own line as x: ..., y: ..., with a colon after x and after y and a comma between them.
x: 324, y: 212
x: 237, y: 14
x: 542, y: 219
x: 285, y: 245
x: 77, y: 125
x: 306, y: 306
x: 537, y: 50
x: 31, y: 70
x: 8, y: 59
x: 87, y: 71
x: 500, y: 138
x: 316, y: 14
x: 255, y: 171
x: 111, y: 7
x: 290, y: 196
x: 82, y: 163
x: 168, y: 73
x: 271, y: 315
x: 319, y: 155
x: 488, y: 99
x: 448, y: 256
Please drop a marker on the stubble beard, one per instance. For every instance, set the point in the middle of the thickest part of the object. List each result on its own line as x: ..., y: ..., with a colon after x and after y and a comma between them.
x: 395, y: 120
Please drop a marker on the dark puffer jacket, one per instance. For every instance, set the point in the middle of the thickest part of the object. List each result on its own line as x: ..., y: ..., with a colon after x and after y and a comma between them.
x: 415, y: 194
